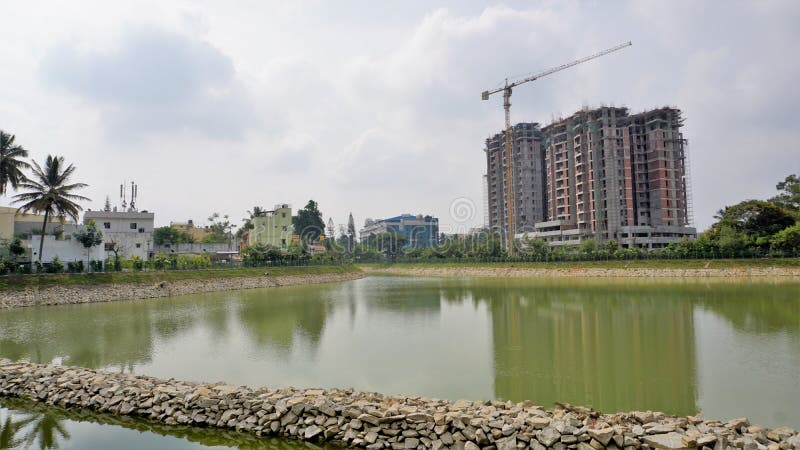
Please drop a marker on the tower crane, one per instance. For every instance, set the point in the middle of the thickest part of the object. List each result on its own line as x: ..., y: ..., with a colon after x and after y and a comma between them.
x: 506, y: 90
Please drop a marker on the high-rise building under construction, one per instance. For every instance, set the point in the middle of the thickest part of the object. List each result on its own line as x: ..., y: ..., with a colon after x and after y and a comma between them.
x: 605, y: 174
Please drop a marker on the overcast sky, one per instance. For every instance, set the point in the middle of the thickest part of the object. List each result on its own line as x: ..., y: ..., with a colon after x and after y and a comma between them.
x: 374, y: 107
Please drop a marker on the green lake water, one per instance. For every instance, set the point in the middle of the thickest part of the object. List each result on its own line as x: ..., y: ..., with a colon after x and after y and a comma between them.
x: 721, y: 348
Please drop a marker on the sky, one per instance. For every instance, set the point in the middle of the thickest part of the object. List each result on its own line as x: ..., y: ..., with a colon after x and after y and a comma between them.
x: 374, y: 107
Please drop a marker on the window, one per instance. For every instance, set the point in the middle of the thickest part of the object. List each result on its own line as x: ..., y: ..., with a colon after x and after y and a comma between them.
x: 134, y: 226
x: 283, y: 215
x: 284, y: 228
x: 138, y: 245
x: 141, y: 230
x: 109, y: 246
x: 107, y: 225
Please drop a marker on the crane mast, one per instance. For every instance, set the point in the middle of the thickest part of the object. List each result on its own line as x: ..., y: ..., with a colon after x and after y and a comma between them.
x: 506, y: 89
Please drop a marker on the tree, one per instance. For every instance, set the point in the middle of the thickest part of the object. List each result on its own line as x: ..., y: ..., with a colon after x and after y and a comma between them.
x: 790, y: 197
x: 787, y: 241
x: 169, y: 235
x: 753, y: 218
x: 11, y: 164
x: 308, y: 223
x: 331, y: 230
x: 50, y: 192
x: 248, y: 222
x: 351, y: 232
x: 89, y: 236
x: 219, y: 230
x: 389, y: 244
x: 16, y: 248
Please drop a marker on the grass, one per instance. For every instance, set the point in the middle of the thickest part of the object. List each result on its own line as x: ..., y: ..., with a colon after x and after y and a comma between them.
x: 613, y: 264
x: 17, y: 282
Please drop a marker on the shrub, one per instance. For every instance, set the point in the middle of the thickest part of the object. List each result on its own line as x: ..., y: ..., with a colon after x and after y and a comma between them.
x: 96, y: 266
x: 75, y: 266
x: 56, y: 266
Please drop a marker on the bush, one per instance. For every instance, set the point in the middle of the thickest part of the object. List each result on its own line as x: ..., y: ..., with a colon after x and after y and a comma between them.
x: 56, y: 266
x: 96, y: 266
x: 75, y: 266
x: 136, y: 263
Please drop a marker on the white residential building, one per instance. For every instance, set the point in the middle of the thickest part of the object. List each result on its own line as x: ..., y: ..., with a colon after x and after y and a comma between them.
x: 130, y: 231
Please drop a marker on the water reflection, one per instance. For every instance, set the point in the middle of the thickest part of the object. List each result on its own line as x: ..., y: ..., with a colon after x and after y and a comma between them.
x: 29, y: 424
x: 278, y: 320
x: 614, y: 348
x: 614, y: 344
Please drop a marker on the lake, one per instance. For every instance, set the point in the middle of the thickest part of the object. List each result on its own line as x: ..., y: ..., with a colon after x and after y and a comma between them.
x: 723, y: 348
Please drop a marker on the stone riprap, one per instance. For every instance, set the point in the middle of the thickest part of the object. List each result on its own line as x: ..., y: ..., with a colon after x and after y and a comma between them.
x: 376, y: 421
x: 589, y: 272
x: 63, y: 295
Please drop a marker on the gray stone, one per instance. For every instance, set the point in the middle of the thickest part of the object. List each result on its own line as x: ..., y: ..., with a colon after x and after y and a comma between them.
x: 668, y: 441
x: 411, y: 443
x: 548, y: 436
x: 312, y: 431
x: 469, y: 445
x: 602, y: 435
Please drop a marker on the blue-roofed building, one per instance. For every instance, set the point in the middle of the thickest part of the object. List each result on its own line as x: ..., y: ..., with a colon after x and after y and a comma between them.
x: 421, y: 231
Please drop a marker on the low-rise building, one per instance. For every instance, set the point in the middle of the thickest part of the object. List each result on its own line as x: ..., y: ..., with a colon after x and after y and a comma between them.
x: 13, y: 224
x: 188, y: 227
x: 129, y: 232
x: 272, y: 227
x: 421, y: 231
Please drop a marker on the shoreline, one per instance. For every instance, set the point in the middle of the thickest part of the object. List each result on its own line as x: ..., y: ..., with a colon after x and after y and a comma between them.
x: 77, y: 294
x: 375, y: 421
x: 789, y: 273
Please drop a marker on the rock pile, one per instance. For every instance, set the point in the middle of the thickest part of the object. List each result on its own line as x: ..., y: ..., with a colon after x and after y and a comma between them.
x: 375, y: 421
x: 63, y: 295
x: 503, y: 271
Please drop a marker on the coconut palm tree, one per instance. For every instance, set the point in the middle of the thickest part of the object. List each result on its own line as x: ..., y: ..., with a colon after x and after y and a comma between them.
x: 45, y: 431
x: 11, y: 164
x: 49, y: 192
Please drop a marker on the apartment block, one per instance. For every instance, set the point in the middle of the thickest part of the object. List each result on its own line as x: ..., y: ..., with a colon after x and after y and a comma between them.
x: 610, y: 175
x: 528, y: 178
x: 273, y: 227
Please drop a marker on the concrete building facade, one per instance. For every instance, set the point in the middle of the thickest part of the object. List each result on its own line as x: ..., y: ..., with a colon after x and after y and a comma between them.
x: 528, y: 178
x: 421, y: 231
x: 608, y: 175
x: 131, y: 232
x: 273, y: 228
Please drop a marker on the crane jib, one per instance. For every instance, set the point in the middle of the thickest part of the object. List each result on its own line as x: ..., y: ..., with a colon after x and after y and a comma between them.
x: 509, y: 153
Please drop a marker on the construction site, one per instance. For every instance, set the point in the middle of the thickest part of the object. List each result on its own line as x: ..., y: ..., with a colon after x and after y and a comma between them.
x: 600, y: 174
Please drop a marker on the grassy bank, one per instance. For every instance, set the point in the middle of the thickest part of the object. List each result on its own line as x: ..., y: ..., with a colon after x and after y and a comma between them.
x: 612, y: 264
x: 16, y: 282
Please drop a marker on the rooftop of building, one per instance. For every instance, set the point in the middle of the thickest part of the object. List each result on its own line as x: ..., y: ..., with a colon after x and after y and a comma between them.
x: 663, y: 112
x: 118, y: 214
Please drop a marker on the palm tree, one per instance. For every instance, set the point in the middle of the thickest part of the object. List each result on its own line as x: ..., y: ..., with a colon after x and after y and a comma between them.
x: 45, y: 430
x: 10, y: 163
x: 49, y: 193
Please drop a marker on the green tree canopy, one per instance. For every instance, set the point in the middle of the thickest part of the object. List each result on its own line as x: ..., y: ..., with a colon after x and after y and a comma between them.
x: 169, y: 236
x: 789, y: 197
x: 219, y: 230
x: 754, y: 218
x: 50, y: 192
x: 11, y: 163
x: 89, y: 237
x: 308, y: 223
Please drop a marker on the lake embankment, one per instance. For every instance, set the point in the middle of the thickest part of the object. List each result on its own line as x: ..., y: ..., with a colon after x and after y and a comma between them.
x: 72, y: 289
x: 376, y: 421
x: 592, y: 270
